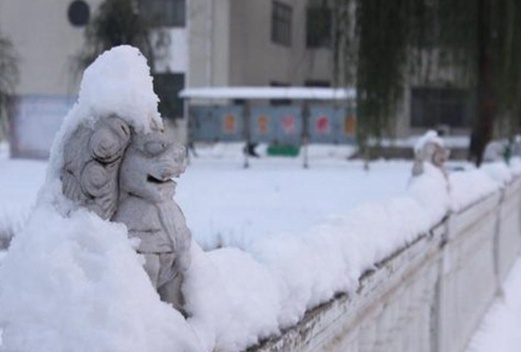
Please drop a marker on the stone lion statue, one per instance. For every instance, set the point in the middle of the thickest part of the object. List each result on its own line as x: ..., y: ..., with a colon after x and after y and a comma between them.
x: 126, y: 176
x: 432, y: 151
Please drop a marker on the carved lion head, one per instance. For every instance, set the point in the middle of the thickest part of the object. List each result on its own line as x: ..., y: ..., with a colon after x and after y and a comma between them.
x: 110, y: 157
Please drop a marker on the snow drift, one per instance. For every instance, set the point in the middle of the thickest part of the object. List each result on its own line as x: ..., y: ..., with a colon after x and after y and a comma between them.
x: 71, y: 281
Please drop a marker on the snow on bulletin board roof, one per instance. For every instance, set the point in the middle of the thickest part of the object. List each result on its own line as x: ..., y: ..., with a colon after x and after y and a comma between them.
x: 300, y: 93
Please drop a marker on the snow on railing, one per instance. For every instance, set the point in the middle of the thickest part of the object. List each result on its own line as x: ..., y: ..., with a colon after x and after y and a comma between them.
x: 431, y: 295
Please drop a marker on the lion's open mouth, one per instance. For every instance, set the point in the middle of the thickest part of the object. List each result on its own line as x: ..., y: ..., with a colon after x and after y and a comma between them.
x: 158, y: 181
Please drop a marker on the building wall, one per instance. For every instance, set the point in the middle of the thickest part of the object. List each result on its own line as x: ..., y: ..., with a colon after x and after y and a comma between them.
x: 49, y: 79
x: 230, y: 45
x: 256, y: 60
x: 46, y: 44
x: 209, y: 43
x: 227, y: 42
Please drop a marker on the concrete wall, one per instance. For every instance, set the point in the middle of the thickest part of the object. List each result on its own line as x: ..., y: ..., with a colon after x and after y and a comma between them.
x: 46, y: 44
x: 256, y: 60
x: 227, y: 42
x: 209, y: 43
x: 428, y: 297
x: 230, y: 45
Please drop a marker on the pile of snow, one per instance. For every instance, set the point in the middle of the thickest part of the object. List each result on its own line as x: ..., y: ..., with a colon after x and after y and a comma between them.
x: 502, y: 173
x: 469, y: 187
x: 73, y: 282
x: 429, y: 137
x: 76, y: 284
x: 20, y: 181
x: 472, y: 185
x: 237, y: 297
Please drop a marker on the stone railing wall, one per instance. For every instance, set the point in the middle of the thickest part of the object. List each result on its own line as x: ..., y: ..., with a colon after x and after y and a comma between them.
x: 427, y: 297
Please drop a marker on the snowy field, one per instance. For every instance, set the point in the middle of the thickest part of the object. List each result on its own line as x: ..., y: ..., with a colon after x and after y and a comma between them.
x: 270, y: 242
x: 224, y: 202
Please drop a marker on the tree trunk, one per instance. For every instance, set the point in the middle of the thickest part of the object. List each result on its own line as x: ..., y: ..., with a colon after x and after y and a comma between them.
x: 484, y: 125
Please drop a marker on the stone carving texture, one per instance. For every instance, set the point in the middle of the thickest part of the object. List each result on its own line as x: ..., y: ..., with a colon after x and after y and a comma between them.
x: 430, y: 152
x: 126, y: 176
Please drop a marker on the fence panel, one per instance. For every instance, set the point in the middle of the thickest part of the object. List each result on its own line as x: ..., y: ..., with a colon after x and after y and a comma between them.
x: 273, y: 124
x: 262, y: 128
x: 230, y: 122
x: 346, y: 125
x: 323, y: 125
x: 203, y: 125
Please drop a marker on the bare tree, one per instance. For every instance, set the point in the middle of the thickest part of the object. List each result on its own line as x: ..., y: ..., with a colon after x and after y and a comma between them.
x: 8, y: 80
x: 116, y: 22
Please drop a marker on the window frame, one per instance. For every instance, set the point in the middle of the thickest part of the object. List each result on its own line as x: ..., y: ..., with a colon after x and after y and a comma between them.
x: 316, y: 40
x: 433, y: 106
x: 281, y: 21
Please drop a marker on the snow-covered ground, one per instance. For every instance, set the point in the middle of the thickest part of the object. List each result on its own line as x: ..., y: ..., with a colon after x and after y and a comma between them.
x: 282, y: 239
x: 228, y: 204
x: 20, y: 181
x: 224, y: 202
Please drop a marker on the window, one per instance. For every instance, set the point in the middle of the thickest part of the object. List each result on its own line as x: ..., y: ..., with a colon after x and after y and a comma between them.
x: 281, y: 23
x: 318, y: 27
x: 164, y: 13
x: 434, y: 106
x: 167, y: 87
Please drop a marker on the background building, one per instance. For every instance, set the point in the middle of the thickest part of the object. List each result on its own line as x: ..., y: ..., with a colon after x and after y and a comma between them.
x: 195, y: 43
x: 47, y: 37
x: 202, y: 43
